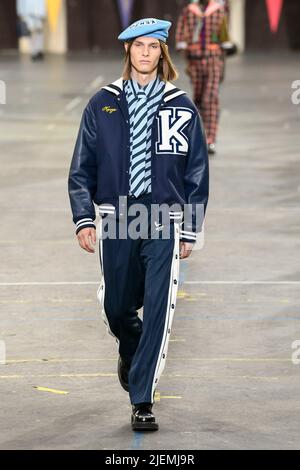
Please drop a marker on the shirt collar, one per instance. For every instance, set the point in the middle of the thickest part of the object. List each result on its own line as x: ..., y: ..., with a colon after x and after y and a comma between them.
x: 149, y: 89
x: 170, y: 90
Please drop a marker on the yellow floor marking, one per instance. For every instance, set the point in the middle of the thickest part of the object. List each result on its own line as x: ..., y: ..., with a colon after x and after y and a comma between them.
x: 181, y: 294
x: 51, y: 390
x: 184, y: 295
x: 170, y: 397
x: 158, y: 397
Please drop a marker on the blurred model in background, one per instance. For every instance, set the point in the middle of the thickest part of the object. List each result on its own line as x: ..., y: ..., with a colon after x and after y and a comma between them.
x: 228, y: 48
x: 33, y: 14
x: 202, y: 33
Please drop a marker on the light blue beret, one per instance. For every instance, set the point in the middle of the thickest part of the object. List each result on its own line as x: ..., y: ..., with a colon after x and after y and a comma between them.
x: 149, y: 27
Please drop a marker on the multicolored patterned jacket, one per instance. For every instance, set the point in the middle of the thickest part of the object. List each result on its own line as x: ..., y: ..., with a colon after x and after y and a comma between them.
x: 189, y: 29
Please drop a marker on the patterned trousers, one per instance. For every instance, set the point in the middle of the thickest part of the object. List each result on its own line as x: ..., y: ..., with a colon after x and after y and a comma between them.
x: 205, y: 74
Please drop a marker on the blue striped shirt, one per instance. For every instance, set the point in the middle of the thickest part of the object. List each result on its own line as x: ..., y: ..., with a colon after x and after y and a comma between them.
x: 154, y: 91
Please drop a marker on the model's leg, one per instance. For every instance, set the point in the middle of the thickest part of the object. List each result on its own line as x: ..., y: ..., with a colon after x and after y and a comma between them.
x: 211, y: 102
x: 196, y: 76
x: 34, y: 43
x: 121, y: 292
x: 40, y: 41
x: 161, y: 261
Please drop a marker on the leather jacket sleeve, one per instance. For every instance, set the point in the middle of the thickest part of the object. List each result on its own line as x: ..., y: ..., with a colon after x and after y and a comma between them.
x: 196, y: 181
x: 82, y: 182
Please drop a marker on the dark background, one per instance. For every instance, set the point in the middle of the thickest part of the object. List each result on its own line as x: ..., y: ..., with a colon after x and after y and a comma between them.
x: 95, y: 24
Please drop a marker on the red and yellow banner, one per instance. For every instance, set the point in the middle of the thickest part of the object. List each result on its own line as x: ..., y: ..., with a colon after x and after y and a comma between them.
x: 274, y: 8
x: 53, y: 9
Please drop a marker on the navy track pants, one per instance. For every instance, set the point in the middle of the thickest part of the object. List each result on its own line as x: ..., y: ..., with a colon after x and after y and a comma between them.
x: 140, y: 273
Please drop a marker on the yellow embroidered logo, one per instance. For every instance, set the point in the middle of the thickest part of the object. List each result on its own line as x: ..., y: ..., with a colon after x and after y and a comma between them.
x: 108, y: 109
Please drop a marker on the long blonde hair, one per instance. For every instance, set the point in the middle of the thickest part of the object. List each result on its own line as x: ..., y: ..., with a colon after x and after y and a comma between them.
x: 166, y: 68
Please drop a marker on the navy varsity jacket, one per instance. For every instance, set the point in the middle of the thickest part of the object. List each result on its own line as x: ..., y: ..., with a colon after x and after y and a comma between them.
x: 99, y: 171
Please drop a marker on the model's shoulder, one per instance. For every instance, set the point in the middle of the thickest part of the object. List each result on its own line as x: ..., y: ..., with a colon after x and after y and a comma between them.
x: 99, y: 96
x: 109, y: 90
x: 186, y: 100
x: 174, y: 96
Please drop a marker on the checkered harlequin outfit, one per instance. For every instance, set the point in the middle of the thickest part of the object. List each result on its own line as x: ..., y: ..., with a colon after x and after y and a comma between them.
x: 200, y: 33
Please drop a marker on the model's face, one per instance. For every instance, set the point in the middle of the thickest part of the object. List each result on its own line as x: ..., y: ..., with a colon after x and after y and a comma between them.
x: 145, y: 54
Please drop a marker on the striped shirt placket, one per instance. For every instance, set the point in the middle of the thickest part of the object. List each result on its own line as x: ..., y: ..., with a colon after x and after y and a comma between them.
x: 139, y: 145
x: 142, y: 106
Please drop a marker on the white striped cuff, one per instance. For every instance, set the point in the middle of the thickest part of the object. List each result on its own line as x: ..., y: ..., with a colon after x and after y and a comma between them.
x: 84, y: 223
x: 190, y: 236
x: 106, y: 209
x: 176, y: 215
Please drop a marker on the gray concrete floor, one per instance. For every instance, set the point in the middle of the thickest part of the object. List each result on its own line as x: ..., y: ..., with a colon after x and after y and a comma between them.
x: 229, y: 382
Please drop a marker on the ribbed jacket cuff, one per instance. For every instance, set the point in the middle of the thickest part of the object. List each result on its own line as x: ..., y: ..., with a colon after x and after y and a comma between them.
x: 187, y: 236
x: 84, y: 223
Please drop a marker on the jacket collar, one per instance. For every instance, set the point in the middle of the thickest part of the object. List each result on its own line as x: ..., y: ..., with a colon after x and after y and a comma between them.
x: 171, y: 91
x: 211, y: 8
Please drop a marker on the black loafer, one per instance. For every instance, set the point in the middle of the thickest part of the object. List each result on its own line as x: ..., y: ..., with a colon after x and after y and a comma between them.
x: 142, y: 418
x: 123, y: 371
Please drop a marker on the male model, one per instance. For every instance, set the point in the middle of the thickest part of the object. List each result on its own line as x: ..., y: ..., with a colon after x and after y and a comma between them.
x: 140, y: 143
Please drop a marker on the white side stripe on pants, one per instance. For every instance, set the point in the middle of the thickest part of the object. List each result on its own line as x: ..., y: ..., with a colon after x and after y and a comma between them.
x: 101, y: 289
x: 172, y: 296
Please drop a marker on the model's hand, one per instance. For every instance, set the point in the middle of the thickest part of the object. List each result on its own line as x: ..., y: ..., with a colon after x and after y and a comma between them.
x: 87, y: 238
x: 186, y: 249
